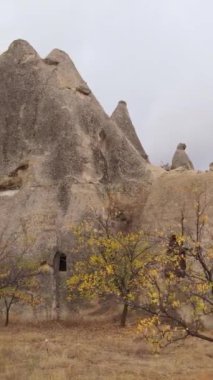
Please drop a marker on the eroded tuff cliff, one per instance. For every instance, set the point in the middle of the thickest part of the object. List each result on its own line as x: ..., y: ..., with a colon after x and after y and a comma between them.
x: 60, y: 154
x: 121, y: 117
x: 62, y: 157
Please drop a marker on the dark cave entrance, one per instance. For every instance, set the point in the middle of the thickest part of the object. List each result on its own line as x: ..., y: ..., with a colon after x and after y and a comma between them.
x: 60, y: 273
x: 60, y: 262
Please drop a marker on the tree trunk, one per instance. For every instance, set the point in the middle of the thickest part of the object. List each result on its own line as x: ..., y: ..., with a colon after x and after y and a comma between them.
x: 7, y: 316
x: 201, y: 336
x: 124, y: 315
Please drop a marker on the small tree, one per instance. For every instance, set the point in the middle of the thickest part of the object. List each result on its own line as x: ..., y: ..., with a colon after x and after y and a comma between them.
x: 18, y: 272
x: 19, y: 284
x: 183, y: 291
x: 114, y: 264
x: 172, y: 277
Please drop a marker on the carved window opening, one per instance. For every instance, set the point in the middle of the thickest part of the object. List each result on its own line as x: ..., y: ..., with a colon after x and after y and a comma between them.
x: 60, y: 262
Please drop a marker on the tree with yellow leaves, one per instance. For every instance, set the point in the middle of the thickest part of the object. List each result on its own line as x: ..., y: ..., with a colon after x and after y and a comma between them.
x: 114, y: 264
x: 184, y: 290
x: 171, y: 276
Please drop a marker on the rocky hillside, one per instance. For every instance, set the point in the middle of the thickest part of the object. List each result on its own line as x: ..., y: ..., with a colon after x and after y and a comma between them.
x: 60, y: 153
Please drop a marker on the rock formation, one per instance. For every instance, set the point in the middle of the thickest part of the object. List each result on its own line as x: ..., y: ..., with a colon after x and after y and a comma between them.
x: 51, y: 120
x: 60, y: 154
x: 181, y: 159
x: 122, y: 119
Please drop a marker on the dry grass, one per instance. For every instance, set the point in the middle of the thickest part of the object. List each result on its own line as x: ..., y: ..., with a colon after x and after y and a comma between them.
x: 94, y: 352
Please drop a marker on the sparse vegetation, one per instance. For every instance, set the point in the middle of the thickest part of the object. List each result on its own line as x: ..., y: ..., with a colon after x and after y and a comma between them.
x: 96, y: 351
x: 170, y: 281
x: 115, y: 265
x: 18, y: 280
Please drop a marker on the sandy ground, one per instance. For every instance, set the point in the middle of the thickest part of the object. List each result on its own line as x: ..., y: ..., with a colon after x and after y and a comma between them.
x: 94, y: 352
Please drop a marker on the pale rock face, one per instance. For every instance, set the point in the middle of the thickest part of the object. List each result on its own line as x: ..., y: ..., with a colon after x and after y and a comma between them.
x: 174, y: 194
x: 181, y: 159
x: 62, y: 157
x: 121, y: 117
x: 60, y: 154
x: 75, y: 153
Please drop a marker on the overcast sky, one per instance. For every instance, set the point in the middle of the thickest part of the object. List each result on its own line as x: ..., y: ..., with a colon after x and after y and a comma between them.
x: 155, y: 54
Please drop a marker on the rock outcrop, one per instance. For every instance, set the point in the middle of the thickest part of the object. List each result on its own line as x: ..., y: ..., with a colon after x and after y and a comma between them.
x: 173, y: 200
x: 62, y: 156
x: 50, y: 119
x: 181, y: 159
x: 121, y: 117
x: 60, y: 153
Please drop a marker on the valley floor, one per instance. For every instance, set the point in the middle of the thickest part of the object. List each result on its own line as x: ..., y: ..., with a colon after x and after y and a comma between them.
x: 94, y: 352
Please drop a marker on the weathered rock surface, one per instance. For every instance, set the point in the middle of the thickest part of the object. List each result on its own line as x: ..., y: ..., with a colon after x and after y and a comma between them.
x: 75, y: 153
x: 61, y: 156
x: 181, y: 159
x: 121, y: 117
x: 174, y: 195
